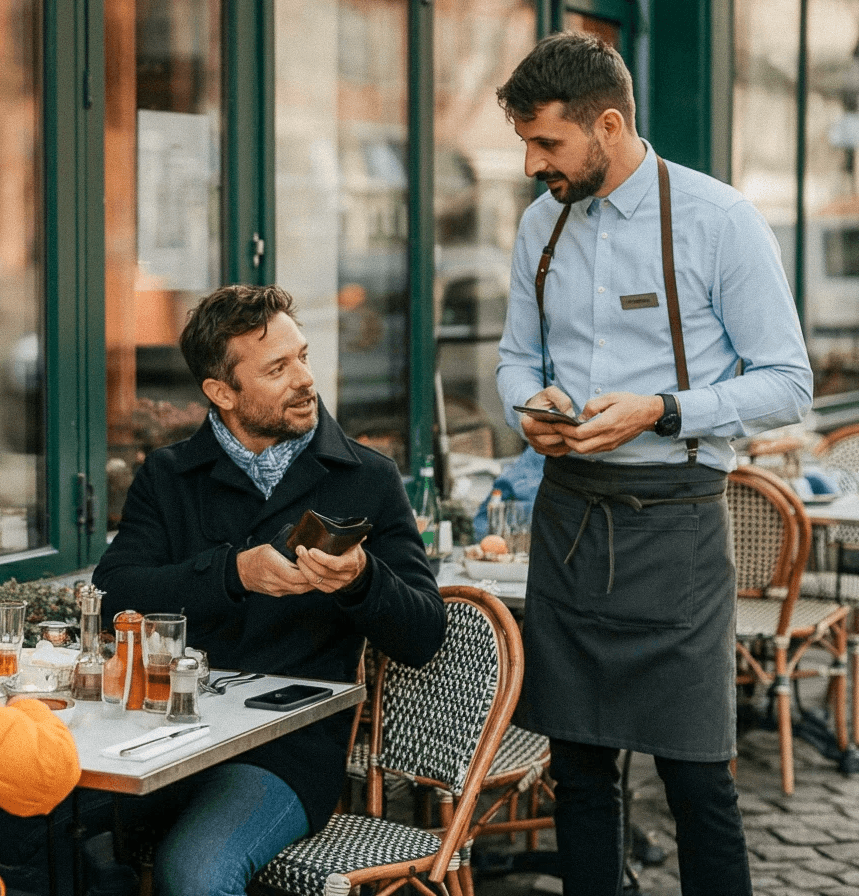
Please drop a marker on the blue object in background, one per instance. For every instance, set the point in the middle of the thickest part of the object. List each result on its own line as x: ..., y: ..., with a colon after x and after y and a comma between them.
x: 519, y: 481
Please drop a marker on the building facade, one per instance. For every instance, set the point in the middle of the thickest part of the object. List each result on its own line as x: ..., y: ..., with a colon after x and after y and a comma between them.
x: 353, y: 152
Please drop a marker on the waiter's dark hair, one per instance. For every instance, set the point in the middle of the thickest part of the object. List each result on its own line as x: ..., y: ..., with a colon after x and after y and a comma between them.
x: 227, y: 312
x: 579, y: 70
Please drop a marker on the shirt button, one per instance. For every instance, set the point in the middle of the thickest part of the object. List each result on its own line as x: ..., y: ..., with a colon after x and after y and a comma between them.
x: 604, y: 236
x: 604, y: 203
x: 602, y: 342
x: 601, y: 289
x: 597, y: 390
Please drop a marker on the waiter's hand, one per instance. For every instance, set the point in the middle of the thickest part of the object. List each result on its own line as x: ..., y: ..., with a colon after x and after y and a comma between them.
x: 549, y: 439
x: 613, y: 420
x: 267, y: 571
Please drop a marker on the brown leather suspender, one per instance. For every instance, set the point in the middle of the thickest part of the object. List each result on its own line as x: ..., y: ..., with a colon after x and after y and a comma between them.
x: 540, y: 281
x: 671, y: 293
x: 670, y: 288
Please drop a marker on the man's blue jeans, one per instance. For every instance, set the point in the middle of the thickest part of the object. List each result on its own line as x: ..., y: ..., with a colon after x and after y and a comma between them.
x: 224, y: 823
x: 711, y: 846
x: 230, y: 820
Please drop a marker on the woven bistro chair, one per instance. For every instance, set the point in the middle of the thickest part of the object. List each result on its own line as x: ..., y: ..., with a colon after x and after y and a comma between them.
x: 439, y: 726
x: 775, y: 629
x: 839, y: 452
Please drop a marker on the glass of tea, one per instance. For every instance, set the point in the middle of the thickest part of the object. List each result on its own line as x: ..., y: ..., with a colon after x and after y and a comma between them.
x: 11, y: 638
x: 163, y: 639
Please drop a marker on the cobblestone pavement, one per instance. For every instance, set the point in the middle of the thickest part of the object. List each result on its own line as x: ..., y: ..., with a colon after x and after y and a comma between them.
x: 806, y: 844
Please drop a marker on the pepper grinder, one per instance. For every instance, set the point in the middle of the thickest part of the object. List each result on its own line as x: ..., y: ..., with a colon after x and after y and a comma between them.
x: 87, y: 674
x: 183, y: 690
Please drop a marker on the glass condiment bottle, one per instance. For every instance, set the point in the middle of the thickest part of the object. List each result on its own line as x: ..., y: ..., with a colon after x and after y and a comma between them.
x: 426, y: 507
x: 184, y: 672
x: 87, y: 674
x: 123, y: 676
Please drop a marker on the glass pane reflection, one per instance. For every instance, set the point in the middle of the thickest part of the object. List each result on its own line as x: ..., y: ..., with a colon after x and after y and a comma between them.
x: 480, y: 193
x: 162, y: 218
x: 341, y: 205
x: 22, y: 333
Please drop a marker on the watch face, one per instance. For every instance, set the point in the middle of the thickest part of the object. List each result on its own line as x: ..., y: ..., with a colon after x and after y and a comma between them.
x: 668, y: 425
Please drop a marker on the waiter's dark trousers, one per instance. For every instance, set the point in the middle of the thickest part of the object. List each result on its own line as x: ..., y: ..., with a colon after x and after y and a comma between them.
x: 711, y: 847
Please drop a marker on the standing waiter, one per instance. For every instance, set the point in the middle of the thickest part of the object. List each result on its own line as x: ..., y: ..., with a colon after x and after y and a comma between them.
x: 629, y: 624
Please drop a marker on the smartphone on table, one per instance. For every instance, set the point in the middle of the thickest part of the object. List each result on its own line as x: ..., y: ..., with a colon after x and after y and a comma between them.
x: 548, y: 415
x: 290, y: 697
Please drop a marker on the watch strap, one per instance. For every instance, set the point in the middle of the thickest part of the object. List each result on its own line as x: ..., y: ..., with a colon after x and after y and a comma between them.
x: 665, y: 425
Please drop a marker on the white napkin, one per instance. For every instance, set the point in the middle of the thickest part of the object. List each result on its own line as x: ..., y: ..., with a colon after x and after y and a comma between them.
x: 191, y: 733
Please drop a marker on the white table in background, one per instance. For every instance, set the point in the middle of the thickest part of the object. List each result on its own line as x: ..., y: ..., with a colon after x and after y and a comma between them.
x: 512, y: 594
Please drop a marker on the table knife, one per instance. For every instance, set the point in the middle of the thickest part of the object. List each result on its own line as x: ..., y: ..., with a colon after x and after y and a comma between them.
x: 156, y: 740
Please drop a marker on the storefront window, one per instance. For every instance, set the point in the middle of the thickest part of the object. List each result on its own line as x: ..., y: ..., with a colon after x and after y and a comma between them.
x: 764, y: 136
x: 22, y: 302
x: 832, y: 195
x: 480, y: 194
x: 341, y: 204
x: 162, y: 218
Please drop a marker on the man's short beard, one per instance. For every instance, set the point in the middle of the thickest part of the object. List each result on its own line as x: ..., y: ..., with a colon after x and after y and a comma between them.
x: 590, y: 179
x: 267, y: 425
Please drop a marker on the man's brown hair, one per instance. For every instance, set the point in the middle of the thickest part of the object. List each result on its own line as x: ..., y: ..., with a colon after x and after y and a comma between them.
x: 579, y: 70
x: 227, y: 312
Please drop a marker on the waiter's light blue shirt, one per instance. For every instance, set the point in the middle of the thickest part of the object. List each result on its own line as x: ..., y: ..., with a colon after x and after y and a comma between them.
x: 607, y: 324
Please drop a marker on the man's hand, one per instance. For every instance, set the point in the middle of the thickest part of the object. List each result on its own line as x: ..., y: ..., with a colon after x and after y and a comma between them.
x: 611, y: 420
x: 328, y: 573
x: 549, y: 439
x: 265, y: 570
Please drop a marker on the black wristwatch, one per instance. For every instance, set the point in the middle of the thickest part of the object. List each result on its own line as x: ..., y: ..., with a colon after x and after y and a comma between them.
x: 669, y: 423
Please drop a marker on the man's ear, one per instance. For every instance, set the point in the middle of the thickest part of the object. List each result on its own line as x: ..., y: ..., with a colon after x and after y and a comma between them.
x: 611, y: 125
x: 219, y: 393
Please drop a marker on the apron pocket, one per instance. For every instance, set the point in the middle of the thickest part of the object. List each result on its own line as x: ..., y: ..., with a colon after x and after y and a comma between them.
x: 654, y: 562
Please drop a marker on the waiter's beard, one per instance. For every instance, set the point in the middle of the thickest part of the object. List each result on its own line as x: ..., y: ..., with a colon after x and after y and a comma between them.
x: 589, y: 179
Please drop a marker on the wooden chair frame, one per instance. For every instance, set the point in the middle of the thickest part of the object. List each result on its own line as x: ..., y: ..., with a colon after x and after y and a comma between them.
x: 441, y: 868
x: 830, y: 448
x: 800, y: 624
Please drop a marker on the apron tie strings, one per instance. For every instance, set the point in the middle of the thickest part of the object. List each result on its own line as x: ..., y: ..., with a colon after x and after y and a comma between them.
x: 603, y: 502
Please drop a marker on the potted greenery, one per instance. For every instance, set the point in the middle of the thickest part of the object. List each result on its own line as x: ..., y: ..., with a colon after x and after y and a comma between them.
x: 46, y: 601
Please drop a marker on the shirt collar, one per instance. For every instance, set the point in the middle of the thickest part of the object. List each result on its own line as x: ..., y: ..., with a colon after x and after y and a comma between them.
x: 627, y: 196
x: 267, y: 468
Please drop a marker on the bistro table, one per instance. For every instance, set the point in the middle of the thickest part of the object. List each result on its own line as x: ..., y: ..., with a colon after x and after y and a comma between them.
x: 233, y: 729
x: 453, y: 572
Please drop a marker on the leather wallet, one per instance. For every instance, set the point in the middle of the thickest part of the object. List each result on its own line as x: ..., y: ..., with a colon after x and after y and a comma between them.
x: 332, y: 536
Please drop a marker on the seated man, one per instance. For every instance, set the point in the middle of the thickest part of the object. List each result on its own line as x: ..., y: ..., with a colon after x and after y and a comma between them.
x: 194, y: 538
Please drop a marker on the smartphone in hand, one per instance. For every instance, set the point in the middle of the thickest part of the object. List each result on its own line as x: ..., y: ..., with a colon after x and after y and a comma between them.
x: 548, y: 415
x: 290, y: 697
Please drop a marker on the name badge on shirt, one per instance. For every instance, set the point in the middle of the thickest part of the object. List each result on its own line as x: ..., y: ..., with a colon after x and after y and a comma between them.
x: 639, y: 300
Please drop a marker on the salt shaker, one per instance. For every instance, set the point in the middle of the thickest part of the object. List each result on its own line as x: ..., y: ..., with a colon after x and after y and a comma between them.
x: 183, y: 690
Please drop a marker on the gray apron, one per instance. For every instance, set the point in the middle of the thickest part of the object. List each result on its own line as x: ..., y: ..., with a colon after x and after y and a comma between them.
x: 630, y: 613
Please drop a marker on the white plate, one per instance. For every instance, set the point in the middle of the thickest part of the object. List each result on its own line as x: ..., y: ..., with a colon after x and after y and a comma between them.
x: 501, y: 572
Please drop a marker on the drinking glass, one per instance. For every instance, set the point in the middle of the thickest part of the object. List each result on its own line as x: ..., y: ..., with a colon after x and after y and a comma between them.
x: 517, y: 525
x: 163, y: 639
x: 11, y: 638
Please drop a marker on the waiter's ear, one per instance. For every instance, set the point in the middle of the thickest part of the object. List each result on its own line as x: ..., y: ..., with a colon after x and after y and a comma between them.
x: 610, y: 125
x: 219, y: 393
